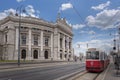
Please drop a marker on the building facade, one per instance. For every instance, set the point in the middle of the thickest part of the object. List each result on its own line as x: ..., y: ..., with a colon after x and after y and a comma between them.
x: 39, y: 39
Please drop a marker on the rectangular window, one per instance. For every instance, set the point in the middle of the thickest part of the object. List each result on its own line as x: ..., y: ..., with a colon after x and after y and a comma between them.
x: 65, y: 43
x: 35, y: 39
x: 61, y: 42
x: 46, y: 41
x: 69, y: 45
x: 6, y: 38
x: 23, y: 39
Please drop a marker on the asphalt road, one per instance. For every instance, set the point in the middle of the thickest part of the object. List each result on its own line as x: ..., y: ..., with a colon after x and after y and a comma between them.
x: 41, y: 73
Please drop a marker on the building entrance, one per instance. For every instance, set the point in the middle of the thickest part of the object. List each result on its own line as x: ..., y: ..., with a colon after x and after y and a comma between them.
x: 23, y: 54
x: 46, y: 54
x: 35, y: 54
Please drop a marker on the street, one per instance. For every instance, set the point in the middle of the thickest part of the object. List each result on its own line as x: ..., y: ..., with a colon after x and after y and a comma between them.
x: 42, y: 73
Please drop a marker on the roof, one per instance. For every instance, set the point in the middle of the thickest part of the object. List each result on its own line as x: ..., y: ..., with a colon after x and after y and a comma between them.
x: 61, y: 23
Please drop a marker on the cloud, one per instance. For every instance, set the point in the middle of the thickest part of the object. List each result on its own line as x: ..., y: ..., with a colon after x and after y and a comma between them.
x: 88, y: 32
x: 30, y: 11
x: 78, y: 26
x: 20, y: 0
x: 83, y: 32
x: 5, y: 13
x: 101, y: 6
x: 13, y: 11
x: 105, y: 19
x: 92, y: 32
x: 104, y: 45
x: 2, y: 15
x: 66, y: 6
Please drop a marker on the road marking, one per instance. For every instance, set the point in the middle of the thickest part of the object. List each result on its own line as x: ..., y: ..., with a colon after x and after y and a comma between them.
x: 68, y: 75
x: 33, y: 66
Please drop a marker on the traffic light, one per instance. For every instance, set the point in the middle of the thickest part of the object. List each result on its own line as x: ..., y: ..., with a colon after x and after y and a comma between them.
x: 114, y: 48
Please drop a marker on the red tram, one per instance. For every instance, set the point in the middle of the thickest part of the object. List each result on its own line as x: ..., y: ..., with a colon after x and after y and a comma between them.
x: 96, y: 60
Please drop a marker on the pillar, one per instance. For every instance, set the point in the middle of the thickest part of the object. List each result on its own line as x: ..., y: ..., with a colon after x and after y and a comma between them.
x: 58, y: 52
x: 29, y: 44
x: 16, y: 43
x: 52, y: 53
x: 41, y: 50
x: 63, y: 45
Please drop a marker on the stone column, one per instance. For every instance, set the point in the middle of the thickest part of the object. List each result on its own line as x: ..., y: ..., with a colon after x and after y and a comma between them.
x: 55, y: 39
x: 52, y: 53
x: 63, y: 45
x: 16, y: 43
x: 68, y: 47
x: 41, y: 50
x: 29, y: 44
x: 58, y: 54
x: 71, y: 49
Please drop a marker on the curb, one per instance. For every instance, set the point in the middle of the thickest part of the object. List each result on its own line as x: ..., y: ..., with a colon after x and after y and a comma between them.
x: 103, y: 74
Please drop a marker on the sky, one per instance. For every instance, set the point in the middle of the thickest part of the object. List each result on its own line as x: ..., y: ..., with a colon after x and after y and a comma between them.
x: 94, y: 22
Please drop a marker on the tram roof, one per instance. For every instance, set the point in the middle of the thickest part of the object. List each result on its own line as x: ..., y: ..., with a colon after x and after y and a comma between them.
x: 94, y: 49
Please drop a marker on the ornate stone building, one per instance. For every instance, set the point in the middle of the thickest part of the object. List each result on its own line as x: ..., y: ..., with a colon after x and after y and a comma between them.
x: 39, y: 39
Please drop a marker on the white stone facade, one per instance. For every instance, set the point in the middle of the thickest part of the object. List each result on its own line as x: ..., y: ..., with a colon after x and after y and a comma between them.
x: 39, y: 39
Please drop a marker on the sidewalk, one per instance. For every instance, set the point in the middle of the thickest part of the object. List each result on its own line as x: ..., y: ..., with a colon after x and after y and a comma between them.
x: 109, y: 74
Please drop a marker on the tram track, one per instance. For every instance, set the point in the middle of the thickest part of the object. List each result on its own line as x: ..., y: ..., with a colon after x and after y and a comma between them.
x: 66, y: 77
x: 96, y: 76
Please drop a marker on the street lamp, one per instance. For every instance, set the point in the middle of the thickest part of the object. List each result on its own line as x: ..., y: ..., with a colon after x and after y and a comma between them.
x: 20, y: 9
x: 118, y: 40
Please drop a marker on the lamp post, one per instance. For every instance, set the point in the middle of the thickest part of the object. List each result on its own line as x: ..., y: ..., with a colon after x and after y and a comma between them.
x: 119, y: 40
x: 20, y: 9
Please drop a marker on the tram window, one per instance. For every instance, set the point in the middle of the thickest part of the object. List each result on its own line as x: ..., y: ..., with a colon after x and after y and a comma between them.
x: 102, y: 56
x: 92, y: 55
x: 88, y: 56
x: 97, y: 55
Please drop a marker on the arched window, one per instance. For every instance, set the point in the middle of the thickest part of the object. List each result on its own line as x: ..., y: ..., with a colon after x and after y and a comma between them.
x: 23, y: 54
x: 35, y: 54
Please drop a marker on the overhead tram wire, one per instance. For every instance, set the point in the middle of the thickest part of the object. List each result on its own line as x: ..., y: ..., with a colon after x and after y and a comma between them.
x: 77, y: 12
x: 111, y: 19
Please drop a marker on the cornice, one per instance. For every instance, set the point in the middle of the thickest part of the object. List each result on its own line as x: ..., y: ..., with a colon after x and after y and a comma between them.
x: 65, y: 28
x: 61, y: 24
x: 30, y: 20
